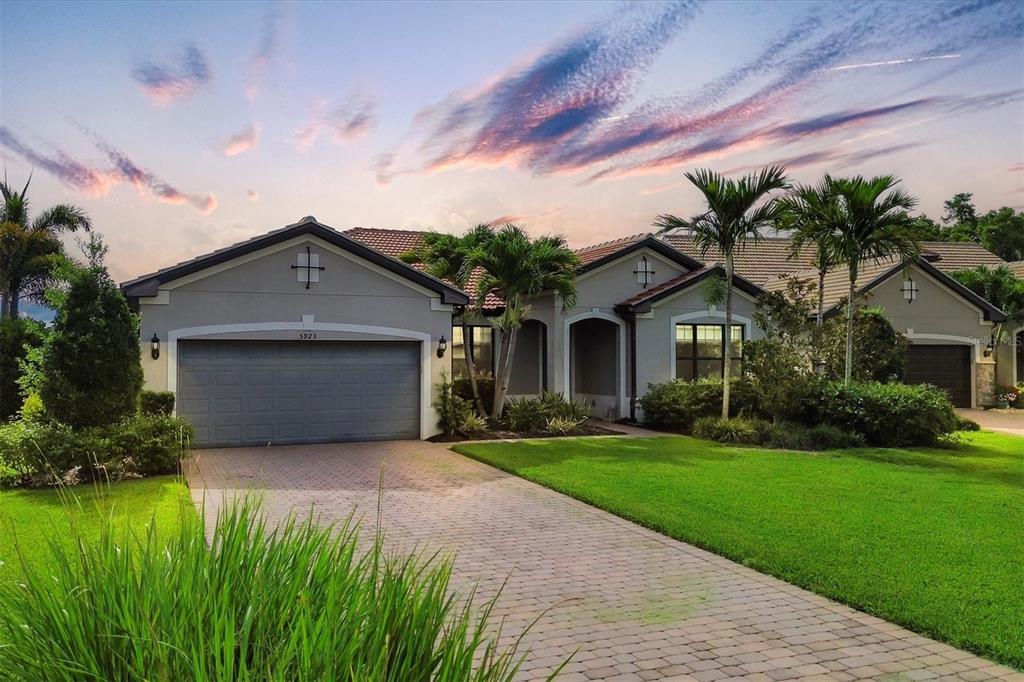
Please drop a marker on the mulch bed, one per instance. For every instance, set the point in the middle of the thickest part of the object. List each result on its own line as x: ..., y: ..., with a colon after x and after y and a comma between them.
x: 501, y: 434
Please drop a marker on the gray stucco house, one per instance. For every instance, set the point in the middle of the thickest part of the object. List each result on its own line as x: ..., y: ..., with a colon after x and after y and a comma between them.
x: 308, y: 334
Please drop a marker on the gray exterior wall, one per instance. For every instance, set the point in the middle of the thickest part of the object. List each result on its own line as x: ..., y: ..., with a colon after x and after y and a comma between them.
x: 259, y: 297
x: 940, y: 317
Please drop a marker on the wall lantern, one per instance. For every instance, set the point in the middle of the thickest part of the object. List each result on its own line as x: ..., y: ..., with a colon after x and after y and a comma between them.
x: 442, y: 346
x: 990, y: 347
x: 154, y: 346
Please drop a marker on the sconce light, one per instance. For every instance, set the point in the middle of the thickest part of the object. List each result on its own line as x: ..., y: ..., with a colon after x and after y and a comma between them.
x: 442, y: 346
x: 990, y: 347
x: 154, y: 346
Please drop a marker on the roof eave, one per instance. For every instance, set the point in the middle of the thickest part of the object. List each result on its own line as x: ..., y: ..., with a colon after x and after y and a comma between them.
x: 656, y: 245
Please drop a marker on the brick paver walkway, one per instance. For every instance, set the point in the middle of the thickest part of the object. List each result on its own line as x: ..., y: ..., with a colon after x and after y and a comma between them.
x: 632, y: 604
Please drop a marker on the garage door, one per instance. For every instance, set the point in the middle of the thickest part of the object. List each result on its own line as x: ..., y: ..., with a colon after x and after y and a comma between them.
x: 259, y: 392
x: 948, y: 367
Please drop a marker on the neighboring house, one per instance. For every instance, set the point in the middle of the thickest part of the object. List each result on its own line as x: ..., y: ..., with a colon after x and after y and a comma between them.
x: 307, y: 334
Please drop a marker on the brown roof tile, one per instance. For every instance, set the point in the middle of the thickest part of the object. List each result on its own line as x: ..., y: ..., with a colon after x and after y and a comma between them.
x: 665, y: 286
x: 595, y: 252
x: 1017, y: 268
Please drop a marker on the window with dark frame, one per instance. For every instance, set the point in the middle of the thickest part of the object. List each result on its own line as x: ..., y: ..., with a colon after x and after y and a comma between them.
x: 482, y: 345
x: 700, y: 351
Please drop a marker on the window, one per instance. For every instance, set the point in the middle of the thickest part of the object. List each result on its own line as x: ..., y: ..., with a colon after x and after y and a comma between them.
x: 482, y: 344
x: 700, y: 351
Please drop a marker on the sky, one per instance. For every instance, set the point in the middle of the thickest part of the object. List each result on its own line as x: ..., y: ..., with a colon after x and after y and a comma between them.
x: 182, y: 128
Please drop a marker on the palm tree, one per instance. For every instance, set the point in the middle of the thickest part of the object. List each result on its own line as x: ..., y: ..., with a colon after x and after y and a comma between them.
x: 519, y: 269
x: 737, y: 210
x: 811, y: 212
x: 444, y: 256
x: 29, y: 250
x: 872, y: 223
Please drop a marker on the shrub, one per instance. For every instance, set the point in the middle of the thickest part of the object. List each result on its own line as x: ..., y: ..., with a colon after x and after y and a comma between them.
x: 32, y: 409
x: 965, y: 424
x: 889, y: 415
x: 484, y: 384
x: 790, y: 436
x: 295, y: 601
x: 450, y: 408
x: 736, y: 430
x: 525, y: 414
x: 91, y: 368
x: 156, y: 403
x: 563, y: 425
x: 678, y: 404
x: 472, y: 424
x: 140, y: 445
x: 557, y: 405
x: 879, y: 351
x: 17, y: 337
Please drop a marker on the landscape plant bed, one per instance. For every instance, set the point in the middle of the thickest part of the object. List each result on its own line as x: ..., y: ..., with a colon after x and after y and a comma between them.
x: 499, y: 433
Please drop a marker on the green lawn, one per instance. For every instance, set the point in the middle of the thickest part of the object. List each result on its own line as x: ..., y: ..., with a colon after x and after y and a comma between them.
x: 929, y: 538
x: 31, y: 519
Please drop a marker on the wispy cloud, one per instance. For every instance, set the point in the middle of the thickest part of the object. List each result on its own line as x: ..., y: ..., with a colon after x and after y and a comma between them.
x: 243, y: 141
x: 252, y: 195
x: 354, y: 117
x: 266, y: 50
x: 834, y: 157
x: 175, y: 79
x: 96, y: 180
x: 572, y: 107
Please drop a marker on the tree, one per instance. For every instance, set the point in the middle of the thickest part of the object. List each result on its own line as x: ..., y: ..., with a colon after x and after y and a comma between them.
x: 1000, y: 287
x: 1002, y: 233
x: 17, y: 337
x: 874, y: 224
x: 92, y: 373
x: 961, y: 219
x: 811, y: 213
x: 880, y: 349
x: 736, y: 210
x: 518, y: 269
x: 30, y: 249
x: 925, y: 229
x: 444, y: 256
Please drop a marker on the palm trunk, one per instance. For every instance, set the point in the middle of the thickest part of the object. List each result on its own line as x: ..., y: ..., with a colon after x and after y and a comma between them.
x: 821, y: 297
x: 4, y: 307
x: 727, y: 360
x: 816, y: 361
x: 467, y: 345
x: 508, y: 347
x: 12, y: 306
x: 850, y: 309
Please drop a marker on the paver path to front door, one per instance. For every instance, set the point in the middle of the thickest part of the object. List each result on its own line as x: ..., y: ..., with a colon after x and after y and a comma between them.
x: 633, y: 604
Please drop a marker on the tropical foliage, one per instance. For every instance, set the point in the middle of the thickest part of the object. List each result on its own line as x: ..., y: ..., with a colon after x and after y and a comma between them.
x: 735, y: 211
x: 1000, y: 287
x: 17, y: 338
x: 30, y: 249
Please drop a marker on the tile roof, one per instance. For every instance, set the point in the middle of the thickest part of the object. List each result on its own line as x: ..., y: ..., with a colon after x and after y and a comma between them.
x: 595, y: 252
x: 1017, y: 268
x: 953, y: 256
x: 665, y: 286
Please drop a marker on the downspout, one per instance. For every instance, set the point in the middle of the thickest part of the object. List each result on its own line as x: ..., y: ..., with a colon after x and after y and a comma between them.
x: 632, y: 366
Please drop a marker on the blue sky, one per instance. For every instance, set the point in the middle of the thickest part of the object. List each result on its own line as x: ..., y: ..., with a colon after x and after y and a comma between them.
x: 185, y: 127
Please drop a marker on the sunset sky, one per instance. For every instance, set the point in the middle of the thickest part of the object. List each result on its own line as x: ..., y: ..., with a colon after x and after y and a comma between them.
x: 185, y: 127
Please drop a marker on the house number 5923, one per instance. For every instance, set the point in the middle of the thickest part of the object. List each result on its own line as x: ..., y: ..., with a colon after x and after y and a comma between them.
x: 307, y: 336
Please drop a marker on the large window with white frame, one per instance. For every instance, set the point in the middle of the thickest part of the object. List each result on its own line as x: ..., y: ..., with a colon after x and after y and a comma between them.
x: 482, y: 345
x: 700, y: 351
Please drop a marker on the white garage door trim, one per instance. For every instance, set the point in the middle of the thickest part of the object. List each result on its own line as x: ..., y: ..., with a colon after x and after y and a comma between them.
x: 175, y: 335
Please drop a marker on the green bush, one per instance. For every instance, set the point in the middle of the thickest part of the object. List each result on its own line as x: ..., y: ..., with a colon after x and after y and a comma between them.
x: 556, y: 405
x: 965, y: 424
x: 525, y: 415
x: 563, y: 425
x: 156, y: 403
x: 141, y: 445
x: 32, y: 410
x: 484, y: 385
x: 256, y: 602
x: 889, y: 415
x: 472, y: 424
x: 678, y: 404
x: 451, y: 409
x: 790, y: 436
x: 92, y: 373
x: 737, y: 430
x: 17, y: 337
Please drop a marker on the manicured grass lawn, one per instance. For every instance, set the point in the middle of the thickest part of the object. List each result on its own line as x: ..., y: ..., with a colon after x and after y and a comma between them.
x: 932, y: 539
x: 31, y: 519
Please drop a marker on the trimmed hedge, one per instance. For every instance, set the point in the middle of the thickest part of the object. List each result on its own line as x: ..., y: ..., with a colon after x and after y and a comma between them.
x: 873, y: 413
x: 783, y: 436
x: 141, y: 445
x: 484, y: 384
x: 156, y: 403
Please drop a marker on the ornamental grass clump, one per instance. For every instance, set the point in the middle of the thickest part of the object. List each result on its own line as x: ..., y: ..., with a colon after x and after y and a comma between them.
x: 292, y: 602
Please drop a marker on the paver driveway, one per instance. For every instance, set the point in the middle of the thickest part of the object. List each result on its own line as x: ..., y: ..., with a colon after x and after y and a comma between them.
x: 632, y: 604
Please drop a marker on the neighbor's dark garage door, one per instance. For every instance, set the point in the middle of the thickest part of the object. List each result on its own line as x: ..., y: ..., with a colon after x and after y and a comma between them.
x: 259, y: 392
x: 948, y: 367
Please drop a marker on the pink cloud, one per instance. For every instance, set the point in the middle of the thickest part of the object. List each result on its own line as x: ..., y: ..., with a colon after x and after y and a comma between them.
x: 252, y: 195
x: 354, y: 117
x: 243, y: 141
x: 176, y: 79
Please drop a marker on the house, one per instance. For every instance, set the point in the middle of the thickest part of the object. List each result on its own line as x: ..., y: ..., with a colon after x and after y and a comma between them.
x: 309, y: 334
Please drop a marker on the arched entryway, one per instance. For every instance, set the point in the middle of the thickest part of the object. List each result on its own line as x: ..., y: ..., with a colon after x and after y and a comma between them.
x: 529, y: 366
x: 1018, y: 355
x: 595, y: 363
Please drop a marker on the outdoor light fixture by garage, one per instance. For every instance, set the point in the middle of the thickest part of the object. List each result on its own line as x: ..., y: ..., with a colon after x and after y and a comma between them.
x: 154, y: 346
x: 990, y: 347
x: 442, y: 346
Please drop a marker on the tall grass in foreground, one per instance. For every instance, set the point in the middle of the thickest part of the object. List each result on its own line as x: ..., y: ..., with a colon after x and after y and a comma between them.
x: 295, y: 602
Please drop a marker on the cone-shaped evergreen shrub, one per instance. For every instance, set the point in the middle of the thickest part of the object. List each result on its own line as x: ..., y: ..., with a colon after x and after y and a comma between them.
x: 92, y: 374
